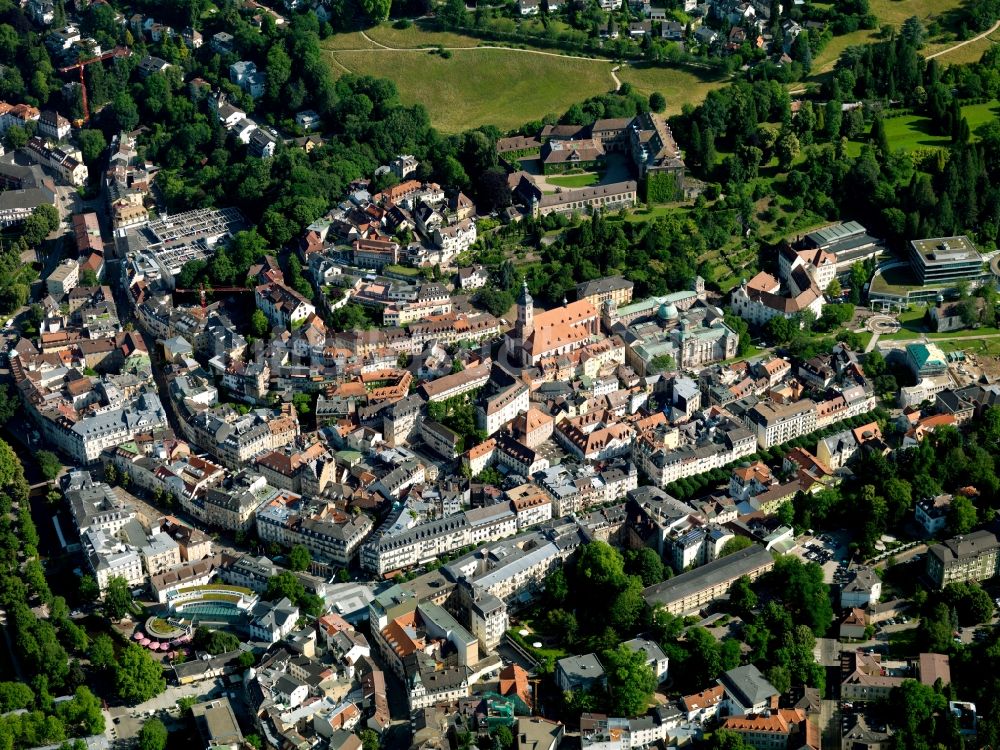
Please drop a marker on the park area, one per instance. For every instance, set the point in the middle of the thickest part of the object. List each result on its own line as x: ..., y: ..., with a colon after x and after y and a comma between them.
x: 474, y: 84
x: 476, y: 87
x: 913, y: 132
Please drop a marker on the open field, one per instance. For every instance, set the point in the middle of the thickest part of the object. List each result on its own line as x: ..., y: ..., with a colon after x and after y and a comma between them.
x: 897, y: 11
x: 348, y: 40
x: 678, y: 85
x: 828, y: 56
x: 497, y: 86
x: 894, y: 13
x: 476, y: 87
x: 969, y: 53
x: 417, y: 37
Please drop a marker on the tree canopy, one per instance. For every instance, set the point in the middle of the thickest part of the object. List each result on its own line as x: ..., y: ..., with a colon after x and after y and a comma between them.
x: 137, y: 676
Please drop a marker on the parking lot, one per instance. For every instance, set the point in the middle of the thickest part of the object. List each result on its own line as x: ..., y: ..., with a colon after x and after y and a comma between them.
x: 829, y: 551
x: 124, y: 722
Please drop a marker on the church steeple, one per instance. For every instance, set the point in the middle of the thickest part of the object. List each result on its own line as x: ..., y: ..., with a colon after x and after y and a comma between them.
x: 525, y: 312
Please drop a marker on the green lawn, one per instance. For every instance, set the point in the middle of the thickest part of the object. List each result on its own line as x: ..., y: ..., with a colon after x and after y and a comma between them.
x: 506, y: 88
x: 896, y: 280
x: 217, y: 587
x: 679, y: 86
x: 574, y: 180
x: 403, y: 270
x: 897, y: 11
x: 501, y: 87
x: 643, y: 213
x: 892, y: 12
x: 979, y: 347
x: 967, y: 334
x: 827, y: 58
x: 913, y: 132
x: 347, y: 40
x: 911, y: 322
x: 415, y: 36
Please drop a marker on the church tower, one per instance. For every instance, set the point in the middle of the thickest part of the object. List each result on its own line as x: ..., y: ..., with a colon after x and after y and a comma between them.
x: 525, y: 322
x: 525, y: 313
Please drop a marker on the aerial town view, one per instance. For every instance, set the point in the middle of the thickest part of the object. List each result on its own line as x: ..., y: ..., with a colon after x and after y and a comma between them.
x: 499, y: 374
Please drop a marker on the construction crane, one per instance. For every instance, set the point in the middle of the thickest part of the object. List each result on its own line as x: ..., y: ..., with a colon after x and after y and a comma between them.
x: 79, y: 66
x: 202, y: 292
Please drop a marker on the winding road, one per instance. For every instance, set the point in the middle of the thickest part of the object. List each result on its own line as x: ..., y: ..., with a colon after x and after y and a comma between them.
x: 379, y: 47
x: 429, y: 48
x: 939, y: 53
x: 955, y: 46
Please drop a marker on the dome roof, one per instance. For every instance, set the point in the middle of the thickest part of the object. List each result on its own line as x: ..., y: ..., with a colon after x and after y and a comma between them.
x: 667, y: 311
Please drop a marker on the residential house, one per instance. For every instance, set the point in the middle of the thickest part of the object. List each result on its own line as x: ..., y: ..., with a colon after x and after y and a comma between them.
x: 747, y: 691
x: 579, y: 672
x: 854, y: 625
x: 272, y: 621
x: 862, y: 589
x: 932, y: 513
x: 655, y: 658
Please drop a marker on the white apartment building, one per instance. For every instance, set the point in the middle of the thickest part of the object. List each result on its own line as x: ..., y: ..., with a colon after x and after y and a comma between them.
x: 664, y: 466
x: 63, y: 279
x: 109, y: 558
x: 501, y: 408
x: 774, y: 424
x: 85, y: 439
x: 456, y: 238
x: 428, y: 541
x: 521, y: 572
x: 328, y: 540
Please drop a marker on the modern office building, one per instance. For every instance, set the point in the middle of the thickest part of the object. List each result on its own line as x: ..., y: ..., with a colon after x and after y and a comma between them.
x: 945, y: 260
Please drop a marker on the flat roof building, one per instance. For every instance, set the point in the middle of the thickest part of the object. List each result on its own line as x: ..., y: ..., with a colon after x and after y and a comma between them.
x: 926, y: 360
x: 690, y: 591
x: 579, y: 672
x: 944, y: 260
x: 216, y: 724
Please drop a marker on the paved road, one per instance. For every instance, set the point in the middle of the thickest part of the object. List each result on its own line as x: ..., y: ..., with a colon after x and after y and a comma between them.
x: 829, y: 724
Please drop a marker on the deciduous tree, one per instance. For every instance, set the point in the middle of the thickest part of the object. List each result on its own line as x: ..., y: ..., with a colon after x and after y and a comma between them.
x: 153, y: 735
x: 137, y: 677
x: 630, y: 681
x: 118, y: 598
